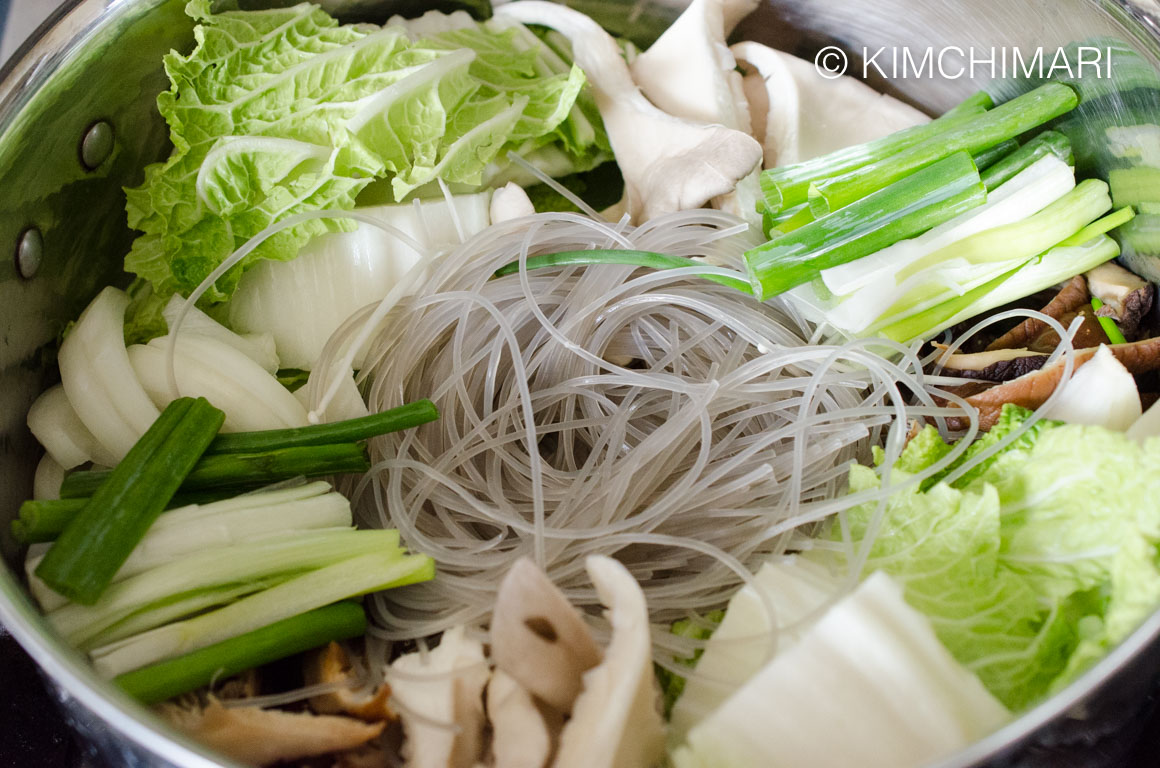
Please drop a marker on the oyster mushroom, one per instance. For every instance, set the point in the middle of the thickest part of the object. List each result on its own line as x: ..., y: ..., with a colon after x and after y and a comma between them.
x: 539, y: 639
x: 332, y: 665
x: 523, y: 733
x: 690, y: 73
x: 262, y: 737
x: 616, y: 721
x: 797, y: 114
x: 440, y: 700
x: 669, y: 164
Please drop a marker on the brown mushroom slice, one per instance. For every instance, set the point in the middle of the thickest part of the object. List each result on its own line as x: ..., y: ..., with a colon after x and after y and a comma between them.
x: 995, y: 365
x: 440, y: 700
x: 523, y: 734
x: 539, y: 639
x: 266, y: 736
x: 616, y: 720
x: 1126, y: 296
x: 1070, y: 298
x: 1033, y: 389
x: 369, y: 756
x: 332, y: 665
x: 1089, y: 334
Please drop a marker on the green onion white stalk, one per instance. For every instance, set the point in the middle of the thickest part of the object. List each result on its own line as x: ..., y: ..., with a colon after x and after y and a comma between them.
x: 1029, y: 192
x: 213, y: 569
x: 378, y: 570
x: 1051, y: 268
x: 908, y: 207
x: 191, y: 529
x: 973, y: 261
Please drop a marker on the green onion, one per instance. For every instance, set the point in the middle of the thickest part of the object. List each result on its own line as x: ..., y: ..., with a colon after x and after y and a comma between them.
x: 95, y: 543
x: 1111, y: 330
x: 979, y: 101
x: 1047, y: 142
x: 789, y: 185
x: 788, y: 220
x: 349, y: 431
x: 1023, y: 239
x: 1101, y: 226
x: 1056, y: 265
x: 146, y: 597
x: 279, y: 640
x: 43, y: 520
x: 350, y: 578
x: 39, y: 521
x: 989, y: 157
x: 247, y: 470
x: 904, y: 209
x: 977, y: 134
x: 647, y: 259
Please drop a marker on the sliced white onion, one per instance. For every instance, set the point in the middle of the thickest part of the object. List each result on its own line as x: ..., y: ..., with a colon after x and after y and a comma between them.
x: 98, y: 379
x: 251, y: 398
x: 53, y: 422
x: 303, y: 301
x: 259, y: 347
x: 1101, y: 393
x: 46, y: 482
x: 347, y: 402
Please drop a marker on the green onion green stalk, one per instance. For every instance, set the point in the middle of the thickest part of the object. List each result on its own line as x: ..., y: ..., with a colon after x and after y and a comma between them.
x: 977, y: 134
x: 910, y: 206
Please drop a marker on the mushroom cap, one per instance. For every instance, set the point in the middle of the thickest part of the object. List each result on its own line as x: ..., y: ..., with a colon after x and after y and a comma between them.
x: 265, y: 736
x: 440, y: 700
x: 332, y: 665
x: 616, y: 721
x: 523, y: 735
x: 539, y: 639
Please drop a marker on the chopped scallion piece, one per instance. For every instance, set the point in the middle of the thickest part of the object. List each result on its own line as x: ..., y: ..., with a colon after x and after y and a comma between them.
x: 127, y: 499
x: 167, y: 679
x: 981, y: 132
x: 1111, y: 330
x: 904, y: 209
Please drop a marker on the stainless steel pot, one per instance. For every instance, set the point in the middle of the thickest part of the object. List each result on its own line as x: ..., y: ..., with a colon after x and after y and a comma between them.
x: 78, y: 122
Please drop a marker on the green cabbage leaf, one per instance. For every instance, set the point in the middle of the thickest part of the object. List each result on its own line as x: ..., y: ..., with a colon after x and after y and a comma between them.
x: 285, y: 111
x: 1031, y: 566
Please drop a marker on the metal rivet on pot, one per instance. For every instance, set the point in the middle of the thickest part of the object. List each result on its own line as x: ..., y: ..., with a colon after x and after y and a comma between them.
x: 29, y: 253
x: 96, y: 144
